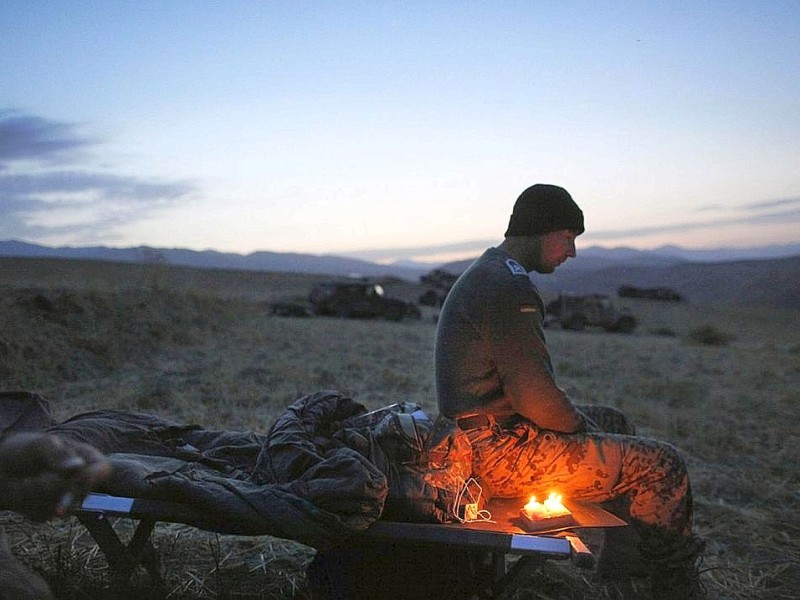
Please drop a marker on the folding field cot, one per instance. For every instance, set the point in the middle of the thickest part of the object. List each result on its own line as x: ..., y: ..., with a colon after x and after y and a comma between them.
x: 301, y: 481
x: 501, y: 538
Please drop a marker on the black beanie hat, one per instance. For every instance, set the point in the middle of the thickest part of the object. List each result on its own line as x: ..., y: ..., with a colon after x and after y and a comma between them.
x: 544, y: 208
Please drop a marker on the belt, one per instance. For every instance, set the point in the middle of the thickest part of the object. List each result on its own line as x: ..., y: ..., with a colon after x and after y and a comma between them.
x: 474, y: 422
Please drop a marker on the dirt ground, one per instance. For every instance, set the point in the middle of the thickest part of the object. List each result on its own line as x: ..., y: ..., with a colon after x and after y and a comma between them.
x: 202, y: 348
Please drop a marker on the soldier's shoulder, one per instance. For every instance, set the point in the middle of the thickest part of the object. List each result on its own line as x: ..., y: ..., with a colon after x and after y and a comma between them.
x: 515, y: 268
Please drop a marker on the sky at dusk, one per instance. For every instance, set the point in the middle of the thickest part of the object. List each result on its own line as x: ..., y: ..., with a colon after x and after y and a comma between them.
x: 389, y: 130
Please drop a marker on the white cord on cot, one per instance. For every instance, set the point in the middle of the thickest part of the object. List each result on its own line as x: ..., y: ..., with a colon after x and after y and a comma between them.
x: 473, y: 492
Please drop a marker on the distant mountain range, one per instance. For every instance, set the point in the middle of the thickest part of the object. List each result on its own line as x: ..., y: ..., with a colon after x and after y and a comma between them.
x: 282, y: 262
x: 596, y: 257
x: 765, y: 276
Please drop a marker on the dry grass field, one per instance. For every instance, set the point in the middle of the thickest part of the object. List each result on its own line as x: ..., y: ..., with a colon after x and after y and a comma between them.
x: 200, y: 346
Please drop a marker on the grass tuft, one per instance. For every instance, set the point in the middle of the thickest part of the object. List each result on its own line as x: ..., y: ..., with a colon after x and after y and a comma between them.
x: 708, y: 335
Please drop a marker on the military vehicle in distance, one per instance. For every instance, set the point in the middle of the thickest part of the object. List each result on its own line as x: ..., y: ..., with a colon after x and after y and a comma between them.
x: 359, y: 300
x: 578, y: 312
x: 439, y: 282
x: 656, y: 293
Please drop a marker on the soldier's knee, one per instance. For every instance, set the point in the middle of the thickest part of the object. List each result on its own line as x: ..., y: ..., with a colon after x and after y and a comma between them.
x: 673, y: 468
x: 622, y: 423
x: 609, y: 419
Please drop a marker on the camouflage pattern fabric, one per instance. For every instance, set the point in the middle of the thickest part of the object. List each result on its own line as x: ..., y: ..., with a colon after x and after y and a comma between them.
x: 606, y: 419
x: 605, y: 463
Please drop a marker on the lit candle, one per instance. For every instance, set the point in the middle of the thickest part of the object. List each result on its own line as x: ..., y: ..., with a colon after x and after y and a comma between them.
x: 551, y: 507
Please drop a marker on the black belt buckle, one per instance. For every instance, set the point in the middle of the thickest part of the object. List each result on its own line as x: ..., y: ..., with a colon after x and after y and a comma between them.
x: 473, y: 422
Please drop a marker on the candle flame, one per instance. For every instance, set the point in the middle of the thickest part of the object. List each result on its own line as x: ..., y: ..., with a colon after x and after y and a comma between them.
x: 551, y: 507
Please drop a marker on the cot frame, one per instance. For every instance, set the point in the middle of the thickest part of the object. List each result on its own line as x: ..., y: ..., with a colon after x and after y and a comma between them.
x: 500, y: 539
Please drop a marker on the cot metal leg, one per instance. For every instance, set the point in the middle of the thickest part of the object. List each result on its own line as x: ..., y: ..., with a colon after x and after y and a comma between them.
x: 510, y: 582
x: 124, y: 558
x: 487, y: 574
x: 502, y: 583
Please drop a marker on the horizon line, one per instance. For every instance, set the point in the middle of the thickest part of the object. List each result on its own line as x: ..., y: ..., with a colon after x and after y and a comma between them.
x: 451, y: 252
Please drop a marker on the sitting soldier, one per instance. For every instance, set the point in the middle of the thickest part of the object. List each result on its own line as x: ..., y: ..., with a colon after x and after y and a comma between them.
x: 494, y: 376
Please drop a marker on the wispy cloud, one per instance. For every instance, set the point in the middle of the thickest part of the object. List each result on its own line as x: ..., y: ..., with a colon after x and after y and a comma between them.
x: 770, y: 204
x: 421, y: 252
x: 40, y: 197
x: 753, y: 207
x: 753, y: 213
x: 63, y: 185
x: 763, y: 212
x: 27, y: 137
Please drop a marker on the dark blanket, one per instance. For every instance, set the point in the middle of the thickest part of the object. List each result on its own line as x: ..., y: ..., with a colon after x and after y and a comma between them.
x: 297, y: 482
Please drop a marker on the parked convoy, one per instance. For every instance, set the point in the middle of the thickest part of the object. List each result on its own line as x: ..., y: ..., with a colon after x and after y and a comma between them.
x: 365, y: 299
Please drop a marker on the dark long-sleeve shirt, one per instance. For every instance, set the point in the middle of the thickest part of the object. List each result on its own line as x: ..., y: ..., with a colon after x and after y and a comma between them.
x: 491, y: 356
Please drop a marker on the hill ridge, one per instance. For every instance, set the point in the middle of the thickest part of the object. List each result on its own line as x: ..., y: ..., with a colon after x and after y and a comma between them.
x: 773, y: 282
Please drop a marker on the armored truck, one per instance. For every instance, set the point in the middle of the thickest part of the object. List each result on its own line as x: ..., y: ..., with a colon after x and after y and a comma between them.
x: 578, y: 312
x: 359, y: 300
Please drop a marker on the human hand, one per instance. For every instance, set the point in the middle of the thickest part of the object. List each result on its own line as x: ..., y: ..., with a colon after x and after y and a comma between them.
x: 44, y: 476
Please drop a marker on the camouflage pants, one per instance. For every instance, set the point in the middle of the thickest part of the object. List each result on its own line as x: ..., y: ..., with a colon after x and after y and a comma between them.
x: 609, y: 463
